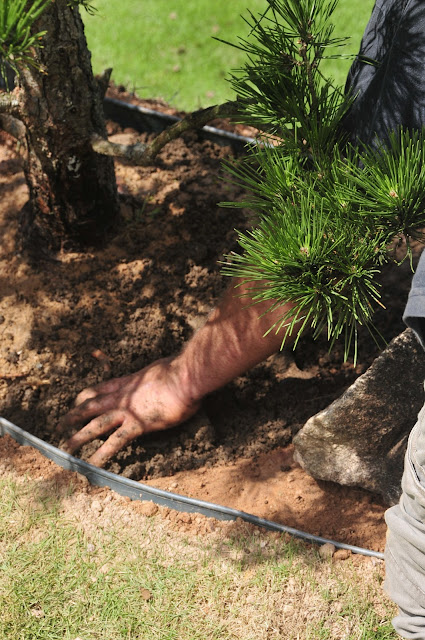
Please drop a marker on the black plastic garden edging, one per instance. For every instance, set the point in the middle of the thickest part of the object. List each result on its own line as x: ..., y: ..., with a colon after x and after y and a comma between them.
x: 138, y: 491
x: 146, y: 120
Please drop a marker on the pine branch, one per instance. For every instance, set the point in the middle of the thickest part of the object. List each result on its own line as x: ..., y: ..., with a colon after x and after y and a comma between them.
x: 9, y: 104
x: 309, y: 72
x: 315, y: 244
x: 144, y: 155
x: 12, y: 126
x: 103, y: 81
x: 134, y: 153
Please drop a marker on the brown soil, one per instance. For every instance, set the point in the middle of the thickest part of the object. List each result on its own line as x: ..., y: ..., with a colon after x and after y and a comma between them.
x: 88, y: 316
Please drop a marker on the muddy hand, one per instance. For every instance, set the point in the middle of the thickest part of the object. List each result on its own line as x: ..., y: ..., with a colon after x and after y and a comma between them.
x: 128, y: 407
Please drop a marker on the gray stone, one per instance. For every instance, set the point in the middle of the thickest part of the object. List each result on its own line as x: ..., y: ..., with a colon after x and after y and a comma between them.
x: 360, y: 439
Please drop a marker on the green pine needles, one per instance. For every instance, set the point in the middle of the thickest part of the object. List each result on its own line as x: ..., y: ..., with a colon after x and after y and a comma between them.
x: 281, y: 88
x: 328, y: 212
x: 17, y: 39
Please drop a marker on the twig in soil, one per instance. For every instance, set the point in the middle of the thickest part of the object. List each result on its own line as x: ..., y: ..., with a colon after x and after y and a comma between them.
x: 12, y: 126
x: 13, y: 376
x: 144, y: 155
x: 103, y: 359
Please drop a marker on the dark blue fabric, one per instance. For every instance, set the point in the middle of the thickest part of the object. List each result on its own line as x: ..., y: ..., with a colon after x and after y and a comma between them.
x: 388, y: 80
x: 388, y: 75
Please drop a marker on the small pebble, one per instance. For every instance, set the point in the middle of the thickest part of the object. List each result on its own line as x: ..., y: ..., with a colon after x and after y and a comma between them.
x: 327, y: 550
x: 148, y: 509
x: 146, y: 594
x: 186, y: 518
x: 341, y: 554
x: 96, y: 506
x: 83, y: 479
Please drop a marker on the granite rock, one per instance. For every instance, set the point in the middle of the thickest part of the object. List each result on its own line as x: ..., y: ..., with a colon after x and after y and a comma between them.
x: 361, y: 438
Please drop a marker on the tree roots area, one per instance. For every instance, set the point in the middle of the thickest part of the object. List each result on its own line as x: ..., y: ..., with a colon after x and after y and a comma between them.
x: 86, y: 316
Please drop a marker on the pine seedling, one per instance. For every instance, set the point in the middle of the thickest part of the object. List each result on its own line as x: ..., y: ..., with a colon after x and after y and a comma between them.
x: 328, y: 211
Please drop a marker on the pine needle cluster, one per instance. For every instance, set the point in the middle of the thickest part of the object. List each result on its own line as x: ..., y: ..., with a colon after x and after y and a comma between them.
x: 328, y: 211
x: 17, y: 37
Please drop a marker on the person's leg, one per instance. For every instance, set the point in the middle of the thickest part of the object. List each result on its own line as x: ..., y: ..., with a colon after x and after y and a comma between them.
x: 405, y: 549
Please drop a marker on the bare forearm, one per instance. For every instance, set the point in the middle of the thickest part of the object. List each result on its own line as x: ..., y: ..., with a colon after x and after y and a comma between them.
x: 169, y: 391
x: 231, y: 342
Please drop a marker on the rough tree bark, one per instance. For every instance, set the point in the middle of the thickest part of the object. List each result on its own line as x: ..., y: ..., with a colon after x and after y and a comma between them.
x: 56, y: 110
x: 73, y: 191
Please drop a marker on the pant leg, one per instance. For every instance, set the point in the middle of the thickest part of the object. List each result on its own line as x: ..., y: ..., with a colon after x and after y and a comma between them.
x: 405, y: 549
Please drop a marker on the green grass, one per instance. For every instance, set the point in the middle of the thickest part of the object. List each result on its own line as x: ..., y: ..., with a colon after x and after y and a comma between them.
x: 67, y: 572
x: 163, y: 49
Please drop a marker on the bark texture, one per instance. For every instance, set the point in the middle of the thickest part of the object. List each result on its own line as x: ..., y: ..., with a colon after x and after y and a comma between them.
x: 72, y: 189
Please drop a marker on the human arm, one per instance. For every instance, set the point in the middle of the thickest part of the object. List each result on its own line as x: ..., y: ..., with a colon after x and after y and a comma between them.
x: 169, y: 391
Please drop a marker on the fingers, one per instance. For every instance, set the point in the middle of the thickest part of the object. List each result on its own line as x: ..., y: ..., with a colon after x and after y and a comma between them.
x: 127, y: 431
x: 117, y: 441
x: 94, y: 429
x: 104, y: 388
x: 90, y: 408
x: 120, y: 404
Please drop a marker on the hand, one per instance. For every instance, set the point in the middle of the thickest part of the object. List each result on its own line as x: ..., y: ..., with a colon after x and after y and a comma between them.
x: 149, y: 400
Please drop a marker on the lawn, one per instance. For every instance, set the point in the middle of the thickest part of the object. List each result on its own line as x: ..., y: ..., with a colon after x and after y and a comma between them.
x: 79, y: 565
x: 163, y: 49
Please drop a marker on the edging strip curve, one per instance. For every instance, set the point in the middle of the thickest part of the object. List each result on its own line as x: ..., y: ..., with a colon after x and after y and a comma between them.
x: 143, y: 119
x: 138, y: 491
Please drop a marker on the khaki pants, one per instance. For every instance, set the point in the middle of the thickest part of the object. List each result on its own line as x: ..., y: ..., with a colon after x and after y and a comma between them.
x: 405, y: 550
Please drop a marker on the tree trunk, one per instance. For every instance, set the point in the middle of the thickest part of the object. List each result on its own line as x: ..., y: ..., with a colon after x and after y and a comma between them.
x: 73, y: 195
